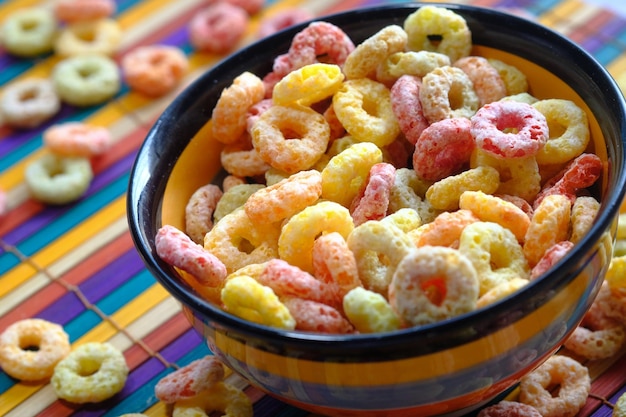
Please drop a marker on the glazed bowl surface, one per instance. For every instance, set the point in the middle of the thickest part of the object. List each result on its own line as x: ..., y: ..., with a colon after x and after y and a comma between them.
x: 449, y: 368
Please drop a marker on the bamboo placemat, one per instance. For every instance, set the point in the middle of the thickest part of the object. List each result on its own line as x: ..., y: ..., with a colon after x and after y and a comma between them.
x: 76, y: 265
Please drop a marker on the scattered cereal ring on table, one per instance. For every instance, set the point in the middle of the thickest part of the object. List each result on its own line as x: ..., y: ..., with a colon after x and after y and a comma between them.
x: 619, y: 409
x: 99, y: 37
x: 55, y: 179
x: 77, y: 139
x: 80, y: 10
x: 31, y: 348
x: 92, y: 372
x: 509, y: 409
x: 447, y: 92
x: 190, y: 380
x: 250, y: 6
x: 199, y: 211
x: 369, y: 311
x: 571, y: 377
x: 222, y: 397
x: 218, y: 27
x: 86, y: 80
x: 154, y: 70
x: 282, y: 20
x: 28, y: 32
x: 485, y: 78
x: 29, y: 102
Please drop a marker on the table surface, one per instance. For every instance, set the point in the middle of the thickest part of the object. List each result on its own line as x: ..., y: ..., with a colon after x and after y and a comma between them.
x: 76, y: 265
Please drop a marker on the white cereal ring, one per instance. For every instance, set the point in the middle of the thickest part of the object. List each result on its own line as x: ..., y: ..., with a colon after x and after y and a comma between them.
x: 56, y: 179
x: 29, y: 32
x: 444, y: 86
x: 29, y: 102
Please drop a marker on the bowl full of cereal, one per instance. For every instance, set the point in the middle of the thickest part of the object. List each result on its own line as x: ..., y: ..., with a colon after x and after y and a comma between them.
x: 391, y: 211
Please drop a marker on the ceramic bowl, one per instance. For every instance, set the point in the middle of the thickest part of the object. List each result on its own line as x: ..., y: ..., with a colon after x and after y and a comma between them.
x: 449, y: 368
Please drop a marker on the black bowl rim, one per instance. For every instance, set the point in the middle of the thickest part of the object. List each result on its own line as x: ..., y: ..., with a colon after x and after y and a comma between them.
x: 139, y: 210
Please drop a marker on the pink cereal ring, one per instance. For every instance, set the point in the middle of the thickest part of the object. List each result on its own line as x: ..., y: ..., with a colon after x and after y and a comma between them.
x: 282, y: 20
x: 335, y: 263
x: 407, y: 106
x: 178, y: 250
x: 154, y: 70
x: 77, y: 139
x: 373, y: 200
x: 509, y: 409
x: 218, y: 28
x: 486, y: 79
x: 314, y: 316
x: 491, y: 121
x: 443, y: 149
x: 190, y: 380
x: 71, y: 11
x: 250, y: 6
x: 550, y: 258
x: 255, y: 111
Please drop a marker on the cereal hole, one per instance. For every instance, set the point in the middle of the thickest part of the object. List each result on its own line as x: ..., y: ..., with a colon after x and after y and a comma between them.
x: 30, y: 343
x: 245, y: 246
x: 434, y: 39
x: 88, y: 366
x: 435, y: 290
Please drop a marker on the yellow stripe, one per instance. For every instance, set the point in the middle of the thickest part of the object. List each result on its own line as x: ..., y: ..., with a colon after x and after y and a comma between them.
x: 559, y: 14
x: 9, y: 7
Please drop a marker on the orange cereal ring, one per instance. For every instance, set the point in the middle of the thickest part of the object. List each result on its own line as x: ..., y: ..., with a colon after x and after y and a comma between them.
x: 446, y: 85
x: 240, y: 158
x: 433, y: 283
x: 509, y: 409
x: 231, y: 110
x: 369, y: 54
x: 285, y: 198
x: 154, y: 70
x: 363, y: 107
x: 438, y: 29
x: 29, y: 102
x: 334, y: 263
x: 31, y: 348
x: 492, y: 122
x: 584, y: 212
x: 98, y: 37
x: 308, y: 85
x: 514, y: 80
x: 551, y: 256
x: 549, y: 225
x: 190, y: 380
x: 250, y: 6
x: 199, y: 211
x: 313, y: 316
x: 445, y: 193
x: 295, y: 244
x: 407, y: 106
x: 223, y: 397
x: 487, y: 82
x: 446, y: 228
x: 443, y: 148
x: 291, y: 139
x: 177, y: 249
x: 282, y: 20
x: 336, y: 128
x: 412, y: 63
x: 70, y: 11
x: 369, y: 312
x: 373, y: 200
x: 571, y: 377
x: 77, y: 139
x: 218, y: 28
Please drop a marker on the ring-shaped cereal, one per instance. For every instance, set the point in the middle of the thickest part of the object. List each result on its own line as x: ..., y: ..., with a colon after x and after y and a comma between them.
x: 70, y: 11
x: 369, y: 311
x: 154, y: 70
x: 295, y: 244
x: 223, y: 397
x: 199, y: 211
x: 378, y: 249
x: 569, y: 131
x: 290, y: 139
x: 572, y: 378
x: 363, y: 107
x: 492, y: 122
x: 549, y: 225
x: 373, y: 200
x: 406, y: 219
x: 500, y: 291
x: 369, y: 54
x: 77, y: 139
x: 509, y: 409
x: 415, y: 63
x: 445, y: 193
x: 86, y: 80
x: 433, y: 283
x: 237, y: 241
x: 245, y: 297
x: 99, y: 37
x: 514, y: 80
x: 57, y: 179
x: 438, y: 29
x: 190, y: 380
x: 334, y: 263
x: 313, y: 316
x: 485, y: 78
x: 495, y: 253
x: 28, y: 32
x: 408, y: 191
x: 446, y: 93
x: 584, y: 212
x: 29, y: 102
x: 92, y: 372
x: 230, y: 113
x: 282, y: 20
x: 308, y: 85
x: 241, y: 159
x: 218, y: 28
x: 285, y: 198
x: 31, y: 348
x: 234, y: 198
x: 407, y: 107
x: 550, y: 257
x: 446, y: 228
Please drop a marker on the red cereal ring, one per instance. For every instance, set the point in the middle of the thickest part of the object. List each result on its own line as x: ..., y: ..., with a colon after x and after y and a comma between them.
x: 218, y: 28
x: 554, y: 254
x: 407, y: 106
x: 316, y: 317
x: 190, y: 380
x: 373, y: 200
x: 443, y: 149
x: 282, y: 20
x: 154, y: 70
x: 491, y: 122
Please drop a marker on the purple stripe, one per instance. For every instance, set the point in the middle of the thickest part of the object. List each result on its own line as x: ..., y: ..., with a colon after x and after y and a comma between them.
x: 176, y: 38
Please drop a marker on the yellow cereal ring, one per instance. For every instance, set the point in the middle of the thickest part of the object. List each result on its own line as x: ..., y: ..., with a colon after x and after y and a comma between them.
x: 438, y: 29
x: 444, y: 194
x: 378, y: 249
x: 522, y: 98
x: 92, y: 372
x: 495, y: 253
x: 369, y: 54
x: 616, y: 274
x: 345, y: 173
x: 549, y: 225
x: 234, y: 198
x: 417, y: 63
x: 584, y: 211
x: 28, y: 32
x: 223, y: 397
x: 406, y: 219
x: 490, y: 208
x: 408, y: 191
x: 19, y: 359
x: 363, y: 107
x: 369, y: 312
x: 244, y: 297
x: 514, y: 79
x: 295, y: 244
x: 569, y: 131
x: 291, y: 138
x: 237, y: 241
x: 340, y: 144
x: 308, y: 85
x: 444, y: 86
x: 431, y: 284
x: 230, y: 113
x: 500, y: 291
x: 100, y: 36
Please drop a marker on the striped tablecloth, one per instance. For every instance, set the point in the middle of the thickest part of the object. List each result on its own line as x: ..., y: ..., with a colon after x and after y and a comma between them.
x: 75, y: 265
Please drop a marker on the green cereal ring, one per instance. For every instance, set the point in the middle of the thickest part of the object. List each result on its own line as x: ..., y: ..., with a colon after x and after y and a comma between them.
x: 29, y: 32
x: 54, y: 179
x: 86, y: 80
